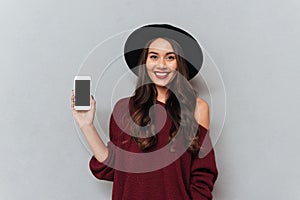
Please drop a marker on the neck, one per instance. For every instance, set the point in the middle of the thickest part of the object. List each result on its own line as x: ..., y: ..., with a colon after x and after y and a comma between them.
x: 162, y: 93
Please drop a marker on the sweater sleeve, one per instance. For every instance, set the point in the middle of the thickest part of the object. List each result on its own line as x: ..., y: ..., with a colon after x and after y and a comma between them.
x: 203, y: 169
x: 104, y: 170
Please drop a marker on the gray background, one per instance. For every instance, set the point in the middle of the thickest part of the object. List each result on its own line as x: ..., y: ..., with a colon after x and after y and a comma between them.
x: 254, y: 43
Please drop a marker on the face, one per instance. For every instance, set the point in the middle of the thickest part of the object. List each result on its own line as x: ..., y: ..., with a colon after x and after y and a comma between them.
x: 161, y: 62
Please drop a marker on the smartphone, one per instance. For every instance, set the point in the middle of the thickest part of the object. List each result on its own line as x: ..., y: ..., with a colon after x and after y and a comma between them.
x: 82, y: 88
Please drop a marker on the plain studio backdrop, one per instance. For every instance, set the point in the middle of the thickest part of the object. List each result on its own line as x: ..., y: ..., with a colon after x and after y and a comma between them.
x: 255, y: 45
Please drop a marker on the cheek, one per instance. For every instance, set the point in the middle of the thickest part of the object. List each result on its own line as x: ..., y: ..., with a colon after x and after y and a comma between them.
x: 173, y: 65
x: 149, y: 66
x: 149, y: 69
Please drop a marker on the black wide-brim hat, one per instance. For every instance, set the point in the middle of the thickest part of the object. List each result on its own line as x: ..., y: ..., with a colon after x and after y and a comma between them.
x: 137, y: 40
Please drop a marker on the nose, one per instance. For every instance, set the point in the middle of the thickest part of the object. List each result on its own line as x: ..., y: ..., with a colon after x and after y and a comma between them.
x: 162, y: 63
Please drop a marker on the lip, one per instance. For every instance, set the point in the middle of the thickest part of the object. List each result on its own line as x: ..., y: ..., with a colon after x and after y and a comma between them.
x: 161, y: 75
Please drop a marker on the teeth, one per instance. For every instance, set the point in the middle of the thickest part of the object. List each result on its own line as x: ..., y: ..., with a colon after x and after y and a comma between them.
x: 161, y: 73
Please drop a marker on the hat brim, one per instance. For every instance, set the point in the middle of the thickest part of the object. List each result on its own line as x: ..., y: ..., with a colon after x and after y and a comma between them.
x: 137, y: 40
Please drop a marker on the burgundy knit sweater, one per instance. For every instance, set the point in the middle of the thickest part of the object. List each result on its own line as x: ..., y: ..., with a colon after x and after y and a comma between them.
x: 189, y: 177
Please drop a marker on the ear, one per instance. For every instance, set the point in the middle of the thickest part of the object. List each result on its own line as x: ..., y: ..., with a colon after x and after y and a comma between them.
x: 202, y: 113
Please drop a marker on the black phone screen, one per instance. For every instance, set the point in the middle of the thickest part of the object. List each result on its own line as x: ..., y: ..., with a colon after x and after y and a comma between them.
x: 82, y: 92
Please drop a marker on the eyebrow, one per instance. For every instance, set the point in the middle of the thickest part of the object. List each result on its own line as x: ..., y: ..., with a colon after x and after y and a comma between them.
x: 157, y: 53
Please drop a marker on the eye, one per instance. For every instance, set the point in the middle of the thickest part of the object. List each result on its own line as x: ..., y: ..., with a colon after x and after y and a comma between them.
x: 170, y: 57
x: 153, y: 57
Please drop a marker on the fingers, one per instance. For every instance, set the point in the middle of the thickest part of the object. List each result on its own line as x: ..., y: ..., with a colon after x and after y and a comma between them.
x: 72, y: 101
x: 92, y: 100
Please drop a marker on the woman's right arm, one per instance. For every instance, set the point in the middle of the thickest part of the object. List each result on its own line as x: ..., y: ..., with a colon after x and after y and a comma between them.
x: 96, y: 144
x: 85, y: 121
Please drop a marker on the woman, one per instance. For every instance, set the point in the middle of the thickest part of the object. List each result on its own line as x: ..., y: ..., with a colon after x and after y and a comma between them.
x: 164, y: 58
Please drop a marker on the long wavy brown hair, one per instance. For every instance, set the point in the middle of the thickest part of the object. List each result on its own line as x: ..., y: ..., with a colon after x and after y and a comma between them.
x: 180, y: 104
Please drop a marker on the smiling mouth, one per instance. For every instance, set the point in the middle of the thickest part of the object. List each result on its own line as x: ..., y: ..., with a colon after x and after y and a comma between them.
x: 161, y: 75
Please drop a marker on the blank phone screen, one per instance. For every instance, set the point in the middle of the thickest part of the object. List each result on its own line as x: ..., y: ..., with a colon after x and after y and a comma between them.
x: 82, y: 92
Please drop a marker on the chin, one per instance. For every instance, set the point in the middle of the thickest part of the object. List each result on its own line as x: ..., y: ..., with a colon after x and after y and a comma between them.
x: 161, y: 84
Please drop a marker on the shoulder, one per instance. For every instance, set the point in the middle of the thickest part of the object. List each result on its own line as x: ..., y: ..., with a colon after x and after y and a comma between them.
x: 119, y: 112
x: 202, y: 113
x: 202, y: 104
x: 123, y: 101
x: 121, y: 105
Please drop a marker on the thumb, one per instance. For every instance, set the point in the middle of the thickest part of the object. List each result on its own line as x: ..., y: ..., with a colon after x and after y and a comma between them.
x: 93, y: 102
